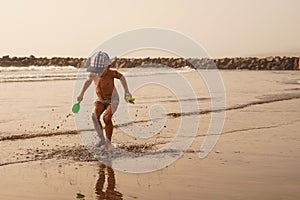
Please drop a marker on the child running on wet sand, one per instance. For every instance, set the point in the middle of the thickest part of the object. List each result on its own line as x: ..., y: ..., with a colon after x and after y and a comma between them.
x: 99, y: 65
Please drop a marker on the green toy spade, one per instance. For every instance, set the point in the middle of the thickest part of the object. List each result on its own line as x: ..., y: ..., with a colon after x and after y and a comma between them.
x: 76, y: 107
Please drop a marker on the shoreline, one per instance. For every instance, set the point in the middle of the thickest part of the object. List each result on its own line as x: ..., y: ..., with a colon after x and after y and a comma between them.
x: 245, y: 164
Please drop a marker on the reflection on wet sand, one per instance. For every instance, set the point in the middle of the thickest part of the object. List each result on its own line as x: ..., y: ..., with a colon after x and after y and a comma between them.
x: 110, y: 192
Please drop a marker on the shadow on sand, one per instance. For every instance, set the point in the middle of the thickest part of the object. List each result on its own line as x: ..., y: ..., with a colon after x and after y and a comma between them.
x: 106, y: 173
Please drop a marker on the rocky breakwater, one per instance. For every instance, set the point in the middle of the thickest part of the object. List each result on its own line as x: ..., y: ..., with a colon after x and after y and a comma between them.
x: 251, y: 63
x: 7, y: 61
x: 157, y: 62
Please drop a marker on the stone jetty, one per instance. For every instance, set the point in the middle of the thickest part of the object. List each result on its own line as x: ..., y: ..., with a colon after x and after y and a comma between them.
x: 249, y: 63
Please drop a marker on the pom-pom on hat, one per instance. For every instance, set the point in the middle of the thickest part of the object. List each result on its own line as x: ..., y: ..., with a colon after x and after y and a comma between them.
x: 98, y: 62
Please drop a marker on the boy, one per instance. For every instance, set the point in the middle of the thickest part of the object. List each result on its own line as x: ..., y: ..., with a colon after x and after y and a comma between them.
x: 99, y: 67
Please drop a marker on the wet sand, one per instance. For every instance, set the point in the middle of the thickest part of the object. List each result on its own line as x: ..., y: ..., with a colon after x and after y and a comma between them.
x: 256, y: 157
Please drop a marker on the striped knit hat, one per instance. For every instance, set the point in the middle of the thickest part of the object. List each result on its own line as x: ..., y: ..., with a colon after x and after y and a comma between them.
x: 98, y: 62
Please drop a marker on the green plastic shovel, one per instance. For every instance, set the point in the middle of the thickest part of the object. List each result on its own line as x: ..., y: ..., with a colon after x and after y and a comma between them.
x: 76, y: 107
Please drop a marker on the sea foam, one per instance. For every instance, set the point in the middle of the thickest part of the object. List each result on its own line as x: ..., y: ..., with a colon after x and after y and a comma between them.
x: 36, y: 68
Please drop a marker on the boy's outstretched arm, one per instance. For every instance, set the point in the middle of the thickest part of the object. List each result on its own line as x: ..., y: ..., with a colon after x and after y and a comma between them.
x: 125, y: 86
x: 86, y: 85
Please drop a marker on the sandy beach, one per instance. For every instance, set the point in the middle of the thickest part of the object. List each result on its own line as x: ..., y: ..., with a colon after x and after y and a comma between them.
x: 257, y: 155
x: 211, y: 111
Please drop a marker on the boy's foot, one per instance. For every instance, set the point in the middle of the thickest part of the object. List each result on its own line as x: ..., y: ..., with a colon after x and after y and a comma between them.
x: 108, y: 146
x: 101, y: 143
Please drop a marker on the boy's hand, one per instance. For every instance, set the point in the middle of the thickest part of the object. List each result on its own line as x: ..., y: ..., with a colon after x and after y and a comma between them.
x: 127, y: 95
x: 129, y: 98
x: 79, y: 98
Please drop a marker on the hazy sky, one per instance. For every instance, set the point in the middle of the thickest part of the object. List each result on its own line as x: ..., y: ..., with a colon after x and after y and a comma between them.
x: 77, y: 27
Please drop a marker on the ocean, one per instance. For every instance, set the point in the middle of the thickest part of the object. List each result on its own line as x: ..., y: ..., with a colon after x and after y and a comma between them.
x: 52, y: 73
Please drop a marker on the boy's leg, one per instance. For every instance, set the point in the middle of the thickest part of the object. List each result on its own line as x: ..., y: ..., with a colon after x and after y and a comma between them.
x: 108, y: 123
x: 99, y: 109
